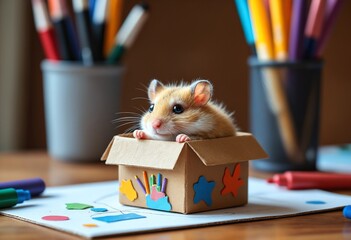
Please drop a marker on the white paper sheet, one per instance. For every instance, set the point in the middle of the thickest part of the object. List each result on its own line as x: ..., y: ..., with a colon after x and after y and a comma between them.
x: 265, y: 201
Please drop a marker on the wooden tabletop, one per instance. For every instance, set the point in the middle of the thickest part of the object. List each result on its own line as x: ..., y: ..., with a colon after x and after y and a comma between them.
x: 330, y: 225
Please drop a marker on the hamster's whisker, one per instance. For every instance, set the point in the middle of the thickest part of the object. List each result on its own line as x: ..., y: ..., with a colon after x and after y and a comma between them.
x: 127, y: 113
x: 125, y: 120
x: 126, y: 123
x: 140, y: 98
x: 132, y: 128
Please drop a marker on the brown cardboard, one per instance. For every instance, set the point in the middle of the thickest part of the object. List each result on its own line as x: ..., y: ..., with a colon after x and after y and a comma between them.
x: 186, y: 165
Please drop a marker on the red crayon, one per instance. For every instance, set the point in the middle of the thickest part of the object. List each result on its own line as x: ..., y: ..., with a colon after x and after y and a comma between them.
x: 45, y: 30
x: 308, y: 180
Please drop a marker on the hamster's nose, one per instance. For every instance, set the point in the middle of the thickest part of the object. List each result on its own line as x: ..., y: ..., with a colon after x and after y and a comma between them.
x: 156, y: 124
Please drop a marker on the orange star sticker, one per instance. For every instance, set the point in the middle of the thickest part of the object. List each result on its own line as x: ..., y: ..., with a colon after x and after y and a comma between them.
x: 232, y: 183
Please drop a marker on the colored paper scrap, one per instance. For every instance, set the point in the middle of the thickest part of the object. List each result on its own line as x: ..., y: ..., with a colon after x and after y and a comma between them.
x: 117, y: 218
x: 160, y: 204
x: 55, y: 218
x: 203, y: 191
x: 128, y: 189
x: 155, y: 194
x: 232, y: 183
x: 77, y: 206
x: 90, y: 225
x: 315, y: 202
x: 99, y: 209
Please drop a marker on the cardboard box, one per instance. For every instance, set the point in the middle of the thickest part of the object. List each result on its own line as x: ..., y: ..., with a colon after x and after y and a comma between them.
x: 200, y: 175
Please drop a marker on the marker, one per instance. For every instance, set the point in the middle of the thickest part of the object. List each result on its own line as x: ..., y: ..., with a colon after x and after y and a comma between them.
x: 91, y: 8
x: 297, y: 26
x: 66, y: 39
x: 9, y: 197
x: 45, y: 30
x: 333, y: 9
x: 347, y: 212
x: 307, y: 180
x: 140, y: 184
x: 113, y: 23
x: 245, y: 19
x: 279, y: 29
x: 83, y: 27
x: 36, y: 186
x: 128, y: 31
x: 98, y: 28
x: 271, y: 79
x: 314, y: 26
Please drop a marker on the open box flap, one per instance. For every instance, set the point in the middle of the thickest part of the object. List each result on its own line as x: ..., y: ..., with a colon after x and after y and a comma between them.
x: 218, y: 151
x: 143, y: 153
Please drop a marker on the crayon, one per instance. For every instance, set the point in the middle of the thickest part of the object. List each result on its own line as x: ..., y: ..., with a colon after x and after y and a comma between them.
x: 307, y: 180
x: 36, y: 186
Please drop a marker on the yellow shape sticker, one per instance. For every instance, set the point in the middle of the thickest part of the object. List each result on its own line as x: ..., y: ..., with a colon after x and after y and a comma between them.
x: 128, y: 190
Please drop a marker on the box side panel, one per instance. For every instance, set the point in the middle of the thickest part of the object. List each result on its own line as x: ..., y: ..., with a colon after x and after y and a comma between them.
x: 174, y: 189
x: 207, y: 190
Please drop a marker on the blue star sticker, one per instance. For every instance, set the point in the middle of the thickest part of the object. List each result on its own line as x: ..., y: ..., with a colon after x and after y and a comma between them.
x: 203, y: 191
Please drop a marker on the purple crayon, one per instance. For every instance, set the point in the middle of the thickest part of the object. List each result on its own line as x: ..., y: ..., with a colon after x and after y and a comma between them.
x: 35, y: 185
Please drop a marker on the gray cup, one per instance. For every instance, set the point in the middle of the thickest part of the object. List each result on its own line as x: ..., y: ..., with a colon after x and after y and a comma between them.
x: 80, y: 104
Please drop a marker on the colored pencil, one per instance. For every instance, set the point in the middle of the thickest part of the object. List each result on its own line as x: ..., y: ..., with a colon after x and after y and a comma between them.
x: 128, y: 32
x: 262, y: 33
x: 333, y: 9
x: 66, y: 39
x: 113, y: 23
x: 297, y: 26
x: 83, y: 27
x: 245, y: 19
x: 45, y: 30
x: 287, y: 10
x: 314, y: 26
x: 279, y: 29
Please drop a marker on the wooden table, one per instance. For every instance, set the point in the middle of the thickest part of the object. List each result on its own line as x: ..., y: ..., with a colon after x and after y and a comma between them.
x: 330, y: 225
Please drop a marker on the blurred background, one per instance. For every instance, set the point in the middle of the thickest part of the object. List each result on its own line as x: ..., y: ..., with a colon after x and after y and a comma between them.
x: 182, y: 40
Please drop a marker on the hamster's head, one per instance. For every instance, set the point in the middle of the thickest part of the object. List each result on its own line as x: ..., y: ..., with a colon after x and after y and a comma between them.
x: 176, y: 109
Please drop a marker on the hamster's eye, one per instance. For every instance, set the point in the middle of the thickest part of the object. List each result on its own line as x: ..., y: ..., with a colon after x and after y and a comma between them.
x: 151, y: 108
x: 178, y: 109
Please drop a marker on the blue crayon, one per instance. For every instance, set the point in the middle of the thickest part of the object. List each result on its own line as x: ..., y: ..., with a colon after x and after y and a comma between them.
x: 347, y: 212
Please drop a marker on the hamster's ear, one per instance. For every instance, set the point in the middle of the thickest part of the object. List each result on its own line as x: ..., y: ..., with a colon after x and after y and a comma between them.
x: 154, y: 88
x: 201, y: 91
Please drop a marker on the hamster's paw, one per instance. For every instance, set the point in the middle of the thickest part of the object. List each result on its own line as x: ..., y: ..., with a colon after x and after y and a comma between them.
x: 182, y: 138
x: 139, y: 134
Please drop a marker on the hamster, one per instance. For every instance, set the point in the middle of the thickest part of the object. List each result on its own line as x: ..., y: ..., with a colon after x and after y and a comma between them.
x: 183, y: 113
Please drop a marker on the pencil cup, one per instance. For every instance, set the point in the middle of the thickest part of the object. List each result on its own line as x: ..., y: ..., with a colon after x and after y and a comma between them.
x: 80, y: 104
x: 284, y: 113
